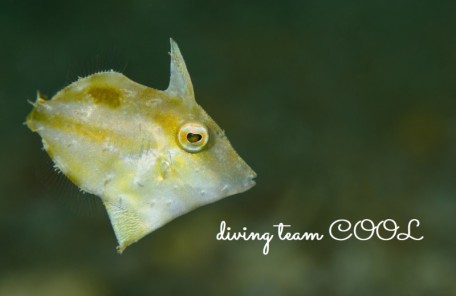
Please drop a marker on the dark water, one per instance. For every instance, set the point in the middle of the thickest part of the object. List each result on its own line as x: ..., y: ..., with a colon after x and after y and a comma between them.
x: 345, y: 109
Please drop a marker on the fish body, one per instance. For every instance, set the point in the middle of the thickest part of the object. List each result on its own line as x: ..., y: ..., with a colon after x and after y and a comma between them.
x: 150, y: 155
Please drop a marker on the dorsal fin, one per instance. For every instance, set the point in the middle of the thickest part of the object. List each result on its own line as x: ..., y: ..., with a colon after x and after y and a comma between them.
x: 180, y: 84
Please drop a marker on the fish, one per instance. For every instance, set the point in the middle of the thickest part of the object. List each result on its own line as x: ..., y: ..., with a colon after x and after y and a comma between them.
x: 150, y: 155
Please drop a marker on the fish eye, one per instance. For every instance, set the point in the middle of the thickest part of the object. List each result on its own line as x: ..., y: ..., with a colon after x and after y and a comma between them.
x: 193, y: 136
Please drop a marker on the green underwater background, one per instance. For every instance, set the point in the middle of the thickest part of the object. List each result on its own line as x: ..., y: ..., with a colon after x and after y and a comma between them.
x: 345, y: 109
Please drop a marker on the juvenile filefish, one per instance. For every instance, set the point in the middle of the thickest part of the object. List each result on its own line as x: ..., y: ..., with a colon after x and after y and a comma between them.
x: 150, y: 155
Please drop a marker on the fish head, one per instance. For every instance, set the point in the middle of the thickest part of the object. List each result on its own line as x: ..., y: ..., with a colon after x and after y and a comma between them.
x: 202, y: 156
x: 202, y: 159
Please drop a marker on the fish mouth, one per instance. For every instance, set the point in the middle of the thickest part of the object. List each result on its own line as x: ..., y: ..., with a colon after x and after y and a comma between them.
x: 250, y: 182
x: 239, y: 185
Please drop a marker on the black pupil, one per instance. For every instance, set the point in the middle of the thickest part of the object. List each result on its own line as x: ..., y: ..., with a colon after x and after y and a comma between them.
x: 193, y: 138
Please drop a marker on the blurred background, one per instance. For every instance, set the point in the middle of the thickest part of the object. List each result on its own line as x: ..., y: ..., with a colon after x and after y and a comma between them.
x: 345, y: 109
